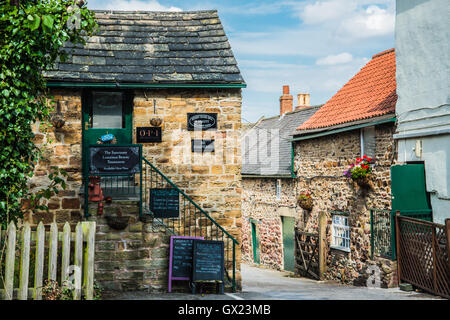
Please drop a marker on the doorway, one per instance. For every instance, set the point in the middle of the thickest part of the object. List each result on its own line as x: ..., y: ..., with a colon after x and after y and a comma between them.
x: 288, y: 229
x: 107, y: 112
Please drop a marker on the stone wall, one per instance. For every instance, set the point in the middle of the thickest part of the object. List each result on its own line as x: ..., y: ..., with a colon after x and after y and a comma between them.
x: 62, y: 148
x: 260, y: 204
x: 212, y: 179
x: 320, y: 164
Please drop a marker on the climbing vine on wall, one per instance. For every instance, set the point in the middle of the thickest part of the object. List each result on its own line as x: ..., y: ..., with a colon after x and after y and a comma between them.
x: 32, y: 33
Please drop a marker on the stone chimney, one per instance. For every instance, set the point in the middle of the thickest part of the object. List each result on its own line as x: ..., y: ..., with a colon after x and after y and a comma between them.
x: 286, y: 101
x: 302, y: 101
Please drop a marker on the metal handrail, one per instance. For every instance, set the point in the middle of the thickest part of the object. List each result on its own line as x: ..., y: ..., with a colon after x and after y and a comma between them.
x: 191, y: 201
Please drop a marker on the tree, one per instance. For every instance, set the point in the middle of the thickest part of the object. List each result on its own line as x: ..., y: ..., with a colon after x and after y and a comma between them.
x: 32, y: 33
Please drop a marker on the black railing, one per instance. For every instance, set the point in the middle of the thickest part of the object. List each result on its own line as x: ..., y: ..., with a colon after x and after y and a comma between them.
x: 382, y: 229
x: 192, y: 219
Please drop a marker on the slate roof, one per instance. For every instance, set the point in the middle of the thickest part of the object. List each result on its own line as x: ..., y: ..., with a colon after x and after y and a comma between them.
x: 257, y: 144
x: 371, y: 93
x: 152, y: 47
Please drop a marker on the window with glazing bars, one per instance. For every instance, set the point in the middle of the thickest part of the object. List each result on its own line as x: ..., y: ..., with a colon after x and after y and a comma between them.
x: 340, y: 233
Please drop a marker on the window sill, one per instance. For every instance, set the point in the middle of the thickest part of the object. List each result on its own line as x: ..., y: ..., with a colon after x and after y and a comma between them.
x: 340, y: 249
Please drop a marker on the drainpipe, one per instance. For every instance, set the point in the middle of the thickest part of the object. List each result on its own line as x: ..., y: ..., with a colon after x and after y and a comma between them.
x: 293, y: 175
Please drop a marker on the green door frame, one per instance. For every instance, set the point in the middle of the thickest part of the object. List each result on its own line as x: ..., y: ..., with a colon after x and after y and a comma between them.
x: 255, y: 243
x: 124, y: 135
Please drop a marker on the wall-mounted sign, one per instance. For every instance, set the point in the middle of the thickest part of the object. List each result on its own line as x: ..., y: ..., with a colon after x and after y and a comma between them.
x: 114, y: 159
x: 148, y: 134
x: 164, y: 202
x: 201, y: 121
x: 202, y: 145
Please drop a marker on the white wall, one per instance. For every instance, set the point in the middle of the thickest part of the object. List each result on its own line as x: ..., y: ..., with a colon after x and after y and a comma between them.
x: 423, y: 87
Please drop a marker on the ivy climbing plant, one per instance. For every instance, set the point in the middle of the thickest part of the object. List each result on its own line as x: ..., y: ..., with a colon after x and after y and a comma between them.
x: 32, y: 33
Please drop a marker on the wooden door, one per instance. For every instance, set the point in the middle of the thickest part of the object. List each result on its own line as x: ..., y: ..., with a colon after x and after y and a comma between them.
x: 288, y: 227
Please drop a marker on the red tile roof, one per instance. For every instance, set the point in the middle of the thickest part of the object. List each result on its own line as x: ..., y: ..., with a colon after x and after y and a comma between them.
x: 370, y: 93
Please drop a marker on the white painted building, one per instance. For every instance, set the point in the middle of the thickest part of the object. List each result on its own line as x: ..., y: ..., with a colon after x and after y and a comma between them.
x: 423, y: 87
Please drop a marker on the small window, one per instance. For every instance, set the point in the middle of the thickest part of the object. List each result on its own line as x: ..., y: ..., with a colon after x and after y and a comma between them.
x: 340, y: 233
x: 107, y: 110
x: 278, y: 189
x: 368, y: 142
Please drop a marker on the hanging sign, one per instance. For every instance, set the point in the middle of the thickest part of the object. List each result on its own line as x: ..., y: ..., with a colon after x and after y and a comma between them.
x: 148, y: 134
x: 201, y: 121
x: 114, y: 159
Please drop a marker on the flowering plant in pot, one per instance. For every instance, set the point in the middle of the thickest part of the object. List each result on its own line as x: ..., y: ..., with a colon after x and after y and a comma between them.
x: 360, y: 172
x: 305, y: 200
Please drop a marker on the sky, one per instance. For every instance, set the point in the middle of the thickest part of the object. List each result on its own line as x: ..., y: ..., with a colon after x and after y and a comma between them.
x: 314, y: 46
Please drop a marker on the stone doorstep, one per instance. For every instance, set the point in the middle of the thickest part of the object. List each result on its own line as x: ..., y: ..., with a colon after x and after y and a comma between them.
x: 406, y: 287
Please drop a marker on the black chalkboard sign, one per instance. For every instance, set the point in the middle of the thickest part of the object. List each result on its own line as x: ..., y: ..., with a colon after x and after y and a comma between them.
x: 182, y: 258
x: 114, y: 159
x: 165, y: 202
x: 208, y: 260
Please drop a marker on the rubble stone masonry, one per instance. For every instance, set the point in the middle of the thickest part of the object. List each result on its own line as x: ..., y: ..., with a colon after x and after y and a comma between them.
x: 320, y: 164
x: 260, y: 204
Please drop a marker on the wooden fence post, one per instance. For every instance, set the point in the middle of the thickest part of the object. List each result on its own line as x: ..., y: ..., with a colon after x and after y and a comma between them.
x: 89, y: 235
x: 25, y: 262
x: 78, y: 261
x: 10, y: 261
x: 39, y: 268
x: 322, y: 244
x: 53, y: 251
x: 65, y: 254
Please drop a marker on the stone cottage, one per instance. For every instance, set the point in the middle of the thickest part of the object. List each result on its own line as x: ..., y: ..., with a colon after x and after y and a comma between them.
x: 358, y: 120
x: 268, y: 185
x: 166, y: 82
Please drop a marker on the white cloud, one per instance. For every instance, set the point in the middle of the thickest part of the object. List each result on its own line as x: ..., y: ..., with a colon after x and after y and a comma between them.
x: 335, y: 59
x: 325, y: 11
x: 350, y: 19
x: 130, y: 5
x: 371, y: 22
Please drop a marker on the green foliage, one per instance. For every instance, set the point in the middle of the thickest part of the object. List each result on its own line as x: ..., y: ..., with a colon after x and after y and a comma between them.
x: 31, y: 37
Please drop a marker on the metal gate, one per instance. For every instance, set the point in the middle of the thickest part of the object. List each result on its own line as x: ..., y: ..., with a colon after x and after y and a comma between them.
x: 307, y: 254
x: 423, y: 254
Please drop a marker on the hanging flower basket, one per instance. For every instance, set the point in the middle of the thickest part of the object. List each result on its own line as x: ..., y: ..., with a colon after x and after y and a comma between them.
x: 360, y: 172
x: 365, y: 182
x: 117, y: 223
x: 305, y: 201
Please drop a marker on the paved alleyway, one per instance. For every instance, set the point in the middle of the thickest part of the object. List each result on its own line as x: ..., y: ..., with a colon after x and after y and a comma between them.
x: 265, y: 284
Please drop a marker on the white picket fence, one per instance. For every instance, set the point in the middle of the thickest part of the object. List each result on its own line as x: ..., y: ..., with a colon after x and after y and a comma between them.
x: 83, y: 276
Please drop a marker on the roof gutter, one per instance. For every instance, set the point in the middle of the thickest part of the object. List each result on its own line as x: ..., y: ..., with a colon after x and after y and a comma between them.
x: 142, y: 85
x: 349, y: 128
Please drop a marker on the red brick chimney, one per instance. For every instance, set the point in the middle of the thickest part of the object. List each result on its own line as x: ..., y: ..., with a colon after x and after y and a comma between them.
x: 302, y: 101
x: 286, y: 101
